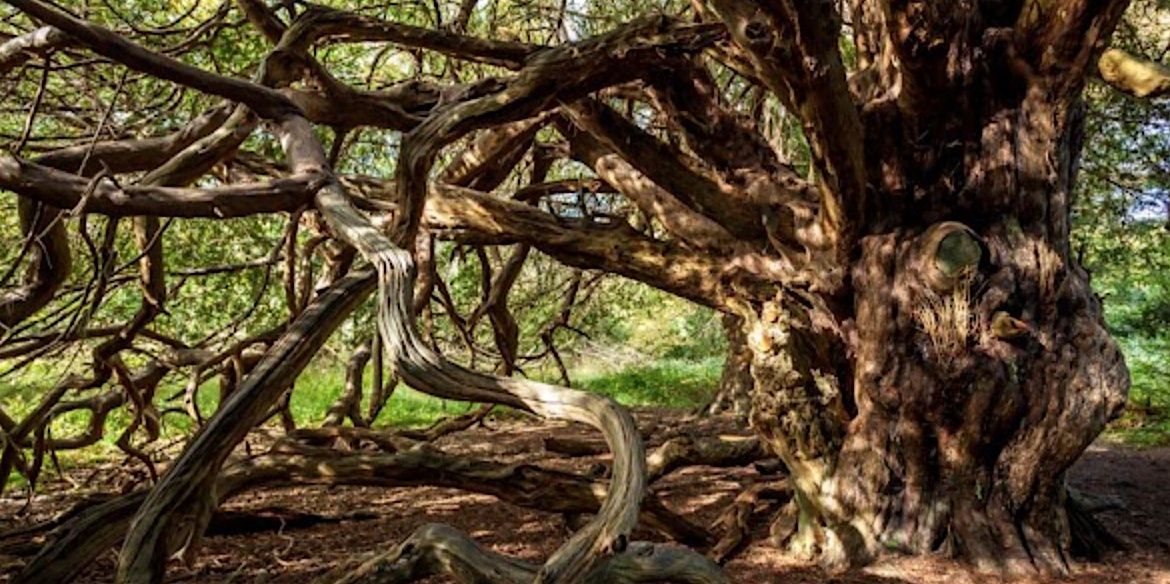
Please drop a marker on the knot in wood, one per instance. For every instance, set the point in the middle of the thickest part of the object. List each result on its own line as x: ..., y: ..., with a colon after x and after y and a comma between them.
x: 948, y: 252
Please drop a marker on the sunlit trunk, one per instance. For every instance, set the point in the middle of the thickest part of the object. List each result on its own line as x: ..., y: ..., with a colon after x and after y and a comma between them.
x: 978, y: 366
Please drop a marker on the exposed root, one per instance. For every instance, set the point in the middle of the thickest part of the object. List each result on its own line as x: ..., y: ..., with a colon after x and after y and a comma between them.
x: 76, y: 541
x: 449, y: 425
x: 684, y: 451
x: 1090, y: 539
x: 274, y: 519
x: 675, y: 453
x: 738, y: 521
x: 437, y: 549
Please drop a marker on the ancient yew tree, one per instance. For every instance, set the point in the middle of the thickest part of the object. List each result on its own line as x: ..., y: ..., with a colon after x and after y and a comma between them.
x: 876, y: 193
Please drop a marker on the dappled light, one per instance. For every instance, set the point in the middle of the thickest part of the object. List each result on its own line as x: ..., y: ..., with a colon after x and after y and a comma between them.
x: 562, y: 292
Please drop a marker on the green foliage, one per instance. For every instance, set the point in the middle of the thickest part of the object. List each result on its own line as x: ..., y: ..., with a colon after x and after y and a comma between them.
x: 657, y: 324
x: 1147, y: 419
x: 675, y: 383
x: 319, y: 387
x: 1122, y: 228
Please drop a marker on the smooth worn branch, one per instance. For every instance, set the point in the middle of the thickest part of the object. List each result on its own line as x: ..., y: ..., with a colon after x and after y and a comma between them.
x: 105, y: 196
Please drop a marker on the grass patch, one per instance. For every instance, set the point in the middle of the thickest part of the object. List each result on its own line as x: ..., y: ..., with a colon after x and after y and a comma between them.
x: 1146, y: 421
x: 672, y: 383
x: 675, y: 383
x: 318, y: 388
x: 314, y: 392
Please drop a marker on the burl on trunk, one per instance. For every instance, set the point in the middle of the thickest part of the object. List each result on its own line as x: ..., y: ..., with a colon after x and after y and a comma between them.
x: 936, y: 398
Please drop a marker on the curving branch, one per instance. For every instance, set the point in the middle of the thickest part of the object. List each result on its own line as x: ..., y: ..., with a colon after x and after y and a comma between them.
x: 427, y: 371
x: 599, y: 62
x: 137, y: 154
x: 80, y: 538
x: 327, y: 25
x: 267, y: 102
x: 105, y: 196
x: 550, y: 77
x: 48, y: 249
x: 793, y: 48
x: 181, y: 487
x: 399, y: 107
x: 613, y: 247
x: 17, y: 50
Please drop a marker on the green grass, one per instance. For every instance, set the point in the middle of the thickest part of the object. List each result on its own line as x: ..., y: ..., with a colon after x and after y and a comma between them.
x: 665, y: 382
x: 1147, y: 418
x: 318, y: 388
x: 673, y: 383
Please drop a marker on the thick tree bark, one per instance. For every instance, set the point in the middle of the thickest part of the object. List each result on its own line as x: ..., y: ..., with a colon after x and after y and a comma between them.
x: 954, y: 446
x: 936, y: 400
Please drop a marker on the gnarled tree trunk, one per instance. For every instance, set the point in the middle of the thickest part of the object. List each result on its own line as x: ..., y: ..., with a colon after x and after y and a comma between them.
x: 937, y: 398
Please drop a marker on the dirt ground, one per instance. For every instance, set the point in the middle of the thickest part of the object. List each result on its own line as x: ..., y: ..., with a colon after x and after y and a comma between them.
x: 1135, y: 484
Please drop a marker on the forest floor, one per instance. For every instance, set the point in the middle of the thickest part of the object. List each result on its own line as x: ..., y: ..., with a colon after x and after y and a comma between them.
x: 1135, y: 484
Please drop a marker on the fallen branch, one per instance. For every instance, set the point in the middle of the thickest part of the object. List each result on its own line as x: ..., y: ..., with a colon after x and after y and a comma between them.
x: 436, y: 549
x: 675, y: 453
x: 78, y: 540
x: 274, y: 519
x: 737, y: 520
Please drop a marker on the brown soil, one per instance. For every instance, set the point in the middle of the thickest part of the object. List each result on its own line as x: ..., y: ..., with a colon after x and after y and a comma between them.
x: 1133, y: 484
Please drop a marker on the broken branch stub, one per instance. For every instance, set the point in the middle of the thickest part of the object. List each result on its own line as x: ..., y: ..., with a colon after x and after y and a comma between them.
x: 947, y: 253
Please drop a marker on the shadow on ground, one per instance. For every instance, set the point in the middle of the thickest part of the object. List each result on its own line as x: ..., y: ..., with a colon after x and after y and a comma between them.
x: 1131, y: 486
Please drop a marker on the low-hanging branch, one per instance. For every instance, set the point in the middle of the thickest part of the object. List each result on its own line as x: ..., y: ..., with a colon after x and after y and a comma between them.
x: 105, y: 196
